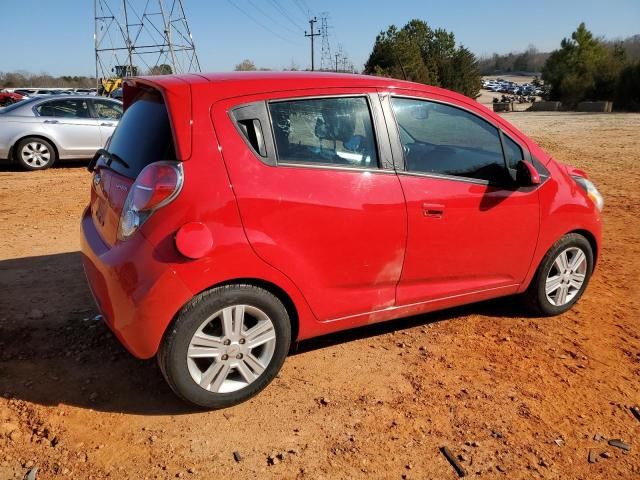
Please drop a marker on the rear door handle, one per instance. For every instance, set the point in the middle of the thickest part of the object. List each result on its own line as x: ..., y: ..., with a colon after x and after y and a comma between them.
x: 51, y: 121
x: 433, y: 210
x: 106, y: 124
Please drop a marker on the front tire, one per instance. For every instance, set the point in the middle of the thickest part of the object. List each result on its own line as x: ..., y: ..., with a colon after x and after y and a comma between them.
x: 225, y: 346
x: 562, y: 277
x: 33, y: 153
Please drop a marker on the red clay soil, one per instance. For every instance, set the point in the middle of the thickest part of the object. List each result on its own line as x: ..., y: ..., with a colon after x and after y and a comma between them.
x: 511, y: 396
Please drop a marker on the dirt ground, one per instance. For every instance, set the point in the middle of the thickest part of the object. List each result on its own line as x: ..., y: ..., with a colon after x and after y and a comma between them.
x: 511, y: 395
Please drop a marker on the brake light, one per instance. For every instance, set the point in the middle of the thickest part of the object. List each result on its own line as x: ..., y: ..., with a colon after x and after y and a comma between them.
x: 157, y: 185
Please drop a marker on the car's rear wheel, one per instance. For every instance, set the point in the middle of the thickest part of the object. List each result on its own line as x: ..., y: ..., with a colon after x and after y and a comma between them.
x: 34, y: 153
x: 562, y: 276
x: 225, y: 346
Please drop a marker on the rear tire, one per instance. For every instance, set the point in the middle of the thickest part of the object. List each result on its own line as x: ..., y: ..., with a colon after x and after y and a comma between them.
x: 225, y: 346
x: 562, y: 277
x: 34, y: 153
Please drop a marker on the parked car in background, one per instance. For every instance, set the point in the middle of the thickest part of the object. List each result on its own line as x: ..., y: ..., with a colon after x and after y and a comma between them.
x: 117, y: 94
x: 8, y: 98
x: 234, y: 214
x: 37, y: 131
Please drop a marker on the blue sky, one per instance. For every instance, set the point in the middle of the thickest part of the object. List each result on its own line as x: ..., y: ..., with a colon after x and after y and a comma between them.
x: 56, y: 36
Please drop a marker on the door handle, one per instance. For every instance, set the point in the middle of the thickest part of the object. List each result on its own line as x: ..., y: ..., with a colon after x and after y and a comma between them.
x: 106, y: 124
x: 51, y: 121
x: 433, y: 210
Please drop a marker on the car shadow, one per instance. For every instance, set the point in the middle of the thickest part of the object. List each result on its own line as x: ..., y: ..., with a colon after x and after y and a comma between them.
x: 52, y: 352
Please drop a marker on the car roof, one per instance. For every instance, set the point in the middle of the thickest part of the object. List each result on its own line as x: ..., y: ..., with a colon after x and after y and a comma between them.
x: 246, y: 83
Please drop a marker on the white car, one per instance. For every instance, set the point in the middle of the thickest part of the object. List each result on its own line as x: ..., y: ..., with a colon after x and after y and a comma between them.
x: 37, y: 131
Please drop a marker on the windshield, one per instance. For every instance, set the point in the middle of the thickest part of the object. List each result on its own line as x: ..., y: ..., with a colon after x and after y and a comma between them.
x: 143, y: 136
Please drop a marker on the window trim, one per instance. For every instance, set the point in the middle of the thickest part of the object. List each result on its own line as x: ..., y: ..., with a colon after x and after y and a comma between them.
x: 442, y: 176
x: 381, y: 167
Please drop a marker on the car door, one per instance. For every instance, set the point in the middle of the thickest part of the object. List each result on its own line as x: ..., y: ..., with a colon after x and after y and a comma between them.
x: 318, y: 195
x: 471, y: 230
x: 70, y: 124
x: 108, y: 113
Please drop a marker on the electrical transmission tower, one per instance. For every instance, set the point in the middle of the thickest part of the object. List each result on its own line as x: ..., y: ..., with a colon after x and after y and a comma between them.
x: 326, y: 60
x: 139, y: 37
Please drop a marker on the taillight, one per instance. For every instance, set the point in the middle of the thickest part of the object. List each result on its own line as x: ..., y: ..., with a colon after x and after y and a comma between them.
x: 156, y: 186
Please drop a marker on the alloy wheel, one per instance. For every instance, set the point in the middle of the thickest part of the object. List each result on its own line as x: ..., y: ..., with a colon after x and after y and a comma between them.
x: 231, y: 348
x: 566, y: 276
x: 35, y: 154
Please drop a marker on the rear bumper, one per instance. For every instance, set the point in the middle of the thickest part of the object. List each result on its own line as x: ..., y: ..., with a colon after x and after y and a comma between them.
x: 137, y: 294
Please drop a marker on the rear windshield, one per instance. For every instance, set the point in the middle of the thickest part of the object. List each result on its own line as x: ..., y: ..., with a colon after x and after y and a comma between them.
x: 143, y: 135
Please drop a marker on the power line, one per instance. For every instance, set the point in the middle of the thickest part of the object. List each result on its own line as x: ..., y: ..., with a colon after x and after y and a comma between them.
x: 279, y: 7
x: 261, y: 24
x: 306, y: 12
x: 270, y: 17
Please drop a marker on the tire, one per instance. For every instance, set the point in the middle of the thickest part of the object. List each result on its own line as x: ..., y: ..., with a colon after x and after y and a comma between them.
x: 223, y: 366
x: 35, y: 153
x: 541, y: 296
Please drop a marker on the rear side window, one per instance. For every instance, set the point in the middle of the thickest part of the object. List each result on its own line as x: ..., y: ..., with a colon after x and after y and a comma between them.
x: 446, y: 140
x: 71, y: 108
x: 325, y: 131
x: 143, y: 135
x: 107, y: 110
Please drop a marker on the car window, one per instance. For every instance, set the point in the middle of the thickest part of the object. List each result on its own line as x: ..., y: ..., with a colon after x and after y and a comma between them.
x: 512, y: 152
x: 107, y: 110
x: 326, y: 131
x: 143, y: 135
x: 70, y: 108
x: 446, y: 140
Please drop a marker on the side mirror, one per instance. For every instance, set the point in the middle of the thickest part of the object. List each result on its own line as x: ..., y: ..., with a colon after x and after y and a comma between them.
x: 526, y: 174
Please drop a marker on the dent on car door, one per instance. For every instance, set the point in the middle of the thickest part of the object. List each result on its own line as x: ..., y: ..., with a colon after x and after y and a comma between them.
x: 319, y: 199
x: 471, y: 229
x: 71, y: 126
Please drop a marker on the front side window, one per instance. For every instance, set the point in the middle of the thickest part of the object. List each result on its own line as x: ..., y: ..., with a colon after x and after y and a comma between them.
x: 512, y: 152
x: 70, y: 108
x: 327, y: 131
x: 107, y: 110
x: 446, y: 140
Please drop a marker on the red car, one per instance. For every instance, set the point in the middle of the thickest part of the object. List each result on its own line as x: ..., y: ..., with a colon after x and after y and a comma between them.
x: 233, y: 214
x: 9, y: 98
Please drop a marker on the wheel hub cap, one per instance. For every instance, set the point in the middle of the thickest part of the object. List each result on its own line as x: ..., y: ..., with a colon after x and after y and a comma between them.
x: 231, y: 348
x: 566, y: 276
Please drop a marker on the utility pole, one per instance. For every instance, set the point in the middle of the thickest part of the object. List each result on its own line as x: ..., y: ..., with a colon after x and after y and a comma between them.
x: 337, y: 55
x: 312, y: 36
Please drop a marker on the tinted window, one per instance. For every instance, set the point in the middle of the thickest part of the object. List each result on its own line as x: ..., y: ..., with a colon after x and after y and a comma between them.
x: 446, y: 140
x: 512, y: 152
x: 70, y: 108
x: 143, y: 135
x: 329, y: 131
x: 107, y: 110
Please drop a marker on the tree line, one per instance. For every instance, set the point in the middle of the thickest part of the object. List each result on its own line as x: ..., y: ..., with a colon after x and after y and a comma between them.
x: 532, y: 60
x: 27, y: 79
x: 586, y: 68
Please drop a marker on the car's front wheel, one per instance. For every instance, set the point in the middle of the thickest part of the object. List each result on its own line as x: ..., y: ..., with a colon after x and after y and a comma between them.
x: 562, y: 276
x: 225, y: 346
x: 34, y: 153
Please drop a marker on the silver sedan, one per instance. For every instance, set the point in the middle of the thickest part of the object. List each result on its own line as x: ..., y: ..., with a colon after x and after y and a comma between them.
x: 37, y: 131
